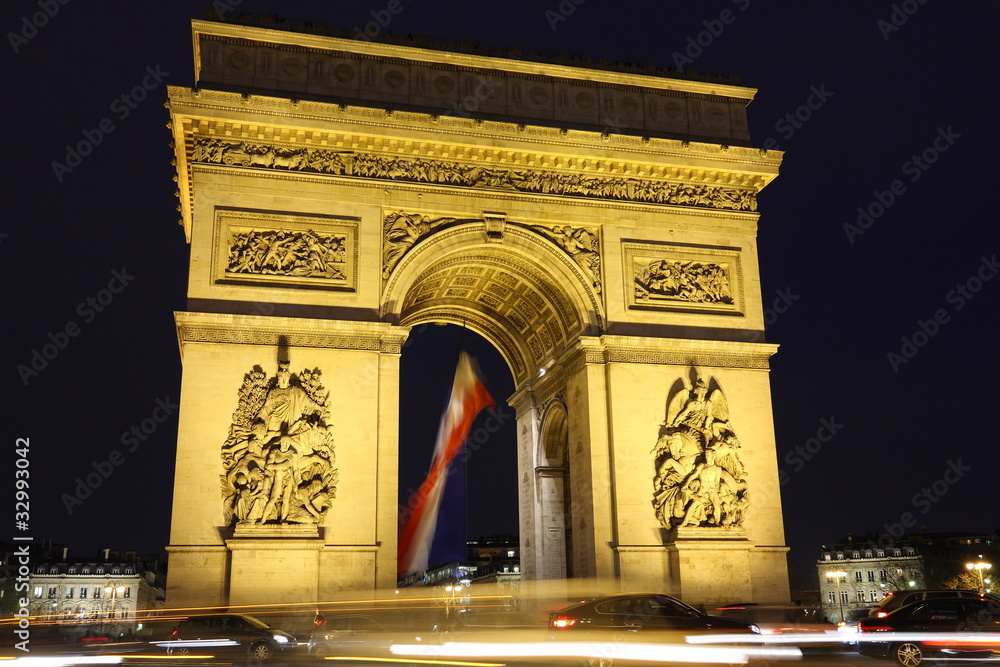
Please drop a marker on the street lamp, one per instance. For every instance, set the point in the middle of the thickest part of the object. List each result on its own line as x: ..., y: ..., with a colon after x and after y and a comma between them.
x: 838, y: 575
x: 979, y: 567
x: 113, y: 592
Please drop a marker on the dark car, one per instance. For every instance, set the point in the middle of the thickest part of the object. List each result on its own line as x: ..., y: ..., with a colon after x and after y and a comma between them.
x: 641, y: 613
x: 935, y: 629
x: 896, y: 599
x: 230, y: 634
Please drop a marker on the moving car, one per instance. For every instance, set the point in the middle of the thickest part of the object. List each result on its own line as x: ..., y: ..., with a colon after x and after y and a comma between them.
x: 934, y: 629
x: 896, y: 599
x: 230, y: 634
x: 641, y: 613
x: 369, y: 635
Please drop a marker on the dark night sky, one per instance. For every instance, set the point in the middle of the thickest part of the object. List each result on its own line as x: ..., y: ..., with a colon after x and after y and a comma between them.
x: 885, y: 96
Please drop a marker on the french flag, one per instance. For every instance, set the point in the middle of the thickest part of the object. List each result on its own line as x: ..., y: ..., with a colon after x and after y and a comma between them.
x: 468, y: 398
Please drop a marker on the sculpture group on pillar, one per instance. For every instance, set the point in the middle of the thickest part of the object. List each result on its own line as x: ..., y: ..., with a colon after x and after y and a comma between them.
x: 279, y: 458
x: 700, y: 480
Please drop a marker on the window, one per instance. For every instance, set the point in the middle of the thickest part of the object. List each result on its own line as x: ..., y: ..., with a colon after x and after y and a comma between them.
x: 52, y: 592
x: 873, y: 595
x: 826, y: 556
x: 69, y: 592
x: 840, y: 555
x: 86, y: 570
x: 128, y: 570
x: 868, y: 553
x: 871, y: 575
x: 38, y: 592
x: 844, y: 597
x: 100, y: 570
x: 128, y: 592
x: 97, y: 592
x: 116, y: 570
x: 40, y: 569
x: 857, y: 576
x: 861, y: 596
x: 909, y: 551
x: 855, y: 554
x: 72, y: 570
x: 882, y: 576
x: 83, y: 592
x: 53, y: 570
x: 831, y: 597
x: 881, y: 554
x: 897, y: 552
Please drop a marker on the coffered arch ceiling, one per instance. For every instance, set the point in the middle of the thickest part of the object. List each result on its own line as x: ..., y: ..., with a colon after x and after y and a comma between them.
x: 519, y: 291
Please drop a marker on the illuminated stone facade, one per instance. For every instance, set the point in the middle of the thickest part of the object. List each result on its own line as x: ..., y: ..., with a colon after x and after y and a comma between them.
x: 598, y: 227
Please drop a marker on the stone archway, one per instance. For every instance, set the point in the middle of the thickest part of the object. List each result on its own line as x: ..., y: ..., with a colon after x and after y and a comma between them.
x: 533, y: 301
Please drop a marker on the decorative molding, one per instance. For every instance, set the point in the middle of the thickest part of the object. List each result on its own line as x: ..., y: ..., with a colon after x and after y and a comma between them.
x: 285, y: 250
x: 681, y: 277
x: 293, y: 332
x: 401, y: 231
x: 666, y: 352
x: 568, y: 181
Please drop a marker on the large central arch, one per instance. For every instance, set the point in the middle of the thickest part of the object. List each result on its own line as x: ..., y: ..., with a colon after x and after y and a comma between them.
x: 598, y: 227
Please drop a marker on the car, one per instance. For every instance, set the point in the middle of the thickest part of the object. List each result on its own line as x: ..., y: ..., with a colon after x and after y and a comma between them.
x: 641, y: 613
x: 230, y: 634
x: 896, y: 599
x: 774, y: 618
x: 935, y: 629
x: 368, y: 634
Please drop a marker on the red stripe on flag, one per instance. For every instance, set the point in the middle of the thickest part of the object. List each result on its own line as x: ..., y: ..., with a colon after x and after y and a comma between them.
x: 468, y: 398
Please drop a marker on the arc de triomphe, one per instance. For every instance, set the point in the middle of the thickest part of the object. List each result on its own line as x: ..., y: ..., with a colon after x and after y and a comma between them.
x: 598, y: 226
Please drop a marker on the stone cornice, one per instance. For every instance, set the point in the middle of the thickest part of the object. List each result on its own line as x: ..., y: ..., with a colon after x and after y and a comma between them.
x: 295, y: 332
x: 669, y: 351
x: 205, y: 104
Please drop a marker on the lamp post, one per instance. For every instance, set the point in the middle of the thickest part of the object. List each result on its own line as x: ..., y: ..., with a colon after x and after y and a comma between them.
x: 112, y: 591
x: 979, y: 567
x: 838, y: 575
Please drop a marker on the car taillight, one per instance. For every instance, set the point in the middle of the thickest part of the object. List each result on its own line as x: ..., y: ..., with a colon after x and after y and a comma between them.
x: 874, y: 628
x: 881, y: 614
x: 561, y: 621
x: 320, y: 622
x: 173, y: 634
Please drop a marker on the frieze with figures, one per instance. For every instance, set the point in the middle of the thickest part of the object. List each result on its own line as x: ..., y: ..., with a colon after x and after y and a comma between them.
x: 445, y: 172
x: 278, y: 459
x: 682, y: 280
x: 287, y: 253
x: 699, y: 477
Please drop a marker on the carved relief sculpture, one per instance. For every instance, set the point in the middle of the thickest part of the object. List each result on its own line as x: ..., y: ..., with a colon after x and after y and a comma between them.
x: 278, y: 458
x: 681, y: 280
x: 401, y: 230
x: 581, y: 244
x: 700, y: 480
x: 446, y: 172
x: 287, y: 253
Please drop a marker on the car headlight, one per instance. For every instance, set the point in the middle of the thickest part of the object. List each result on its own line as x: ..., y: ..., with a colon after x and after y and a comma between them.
x: 754, y: 628
x: 281, y: 639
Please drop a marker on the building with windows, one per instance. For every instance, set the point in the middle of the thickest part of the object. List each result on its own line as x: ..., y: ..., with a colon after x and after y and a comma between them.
x: 858, y: 571
x: 854, y: 574
x: 100, y: 595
